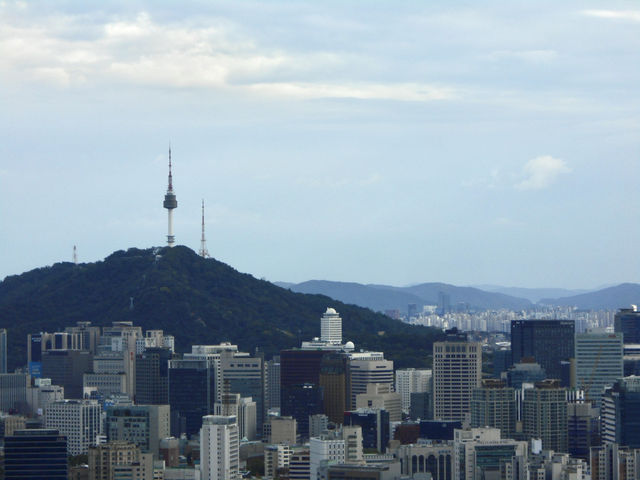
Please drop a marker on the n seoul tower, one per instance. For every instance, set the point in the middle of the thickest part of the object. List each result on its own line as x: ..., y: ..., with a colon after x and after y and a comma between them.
x: 170, y: 203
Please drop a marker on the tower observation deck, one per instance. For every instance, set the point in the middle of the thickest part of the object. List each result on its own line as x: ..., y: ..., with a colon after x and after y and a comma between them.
x: 170, y: 203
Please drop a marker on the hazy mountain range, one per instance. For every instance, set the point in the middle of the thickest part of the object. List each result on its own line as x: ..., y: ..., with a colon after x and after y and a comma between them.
x: 386, y: 297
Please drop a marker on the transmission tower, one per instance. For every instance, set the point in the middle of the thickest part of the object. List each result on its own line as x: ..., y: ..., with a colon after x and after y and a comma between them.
x: 204, y: 253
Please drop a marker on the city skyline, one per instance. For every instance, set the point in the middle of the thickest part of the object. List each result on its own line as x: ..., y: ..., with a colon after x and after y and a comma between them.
x: 401, y: 144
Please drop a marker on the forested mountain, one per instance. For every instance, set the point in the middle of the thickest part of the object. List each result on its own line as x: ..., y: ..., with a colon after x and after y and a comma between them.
x: 199, y: 301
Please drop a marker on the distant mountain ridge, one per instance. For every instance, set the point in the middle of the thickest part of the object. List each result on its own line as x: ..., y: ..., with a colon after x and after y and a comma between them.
x: 198, y: 300
x: 386, y: 297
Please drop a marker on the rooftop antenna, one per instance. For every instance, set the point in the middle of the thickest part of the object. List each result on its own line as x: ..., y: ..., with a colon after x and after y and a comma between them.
x: 204, y: 253
x: 75, y: 255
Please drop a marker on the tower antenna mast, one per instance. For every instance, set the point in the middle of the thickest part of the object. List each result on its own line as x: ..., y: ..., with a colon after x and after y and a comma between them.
x: 204, y: 253
x: 170, y: 203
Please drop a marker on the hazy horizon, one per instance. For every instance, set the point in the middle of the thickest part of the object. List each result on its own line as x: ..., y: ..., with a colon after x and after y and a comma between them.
x: 400, y: 143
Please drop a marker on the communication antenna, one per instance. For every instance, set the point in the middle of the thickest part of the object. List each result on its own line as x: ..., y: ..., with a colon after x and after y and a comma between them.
x: 75, y: 255
x: 204, y: 253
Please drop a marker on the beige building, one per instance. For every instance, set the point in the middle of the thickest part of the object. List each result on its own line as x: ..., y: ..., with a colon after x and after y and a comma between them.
x: 112, y: 460
x: 380, y: 395
x: 280, y: 430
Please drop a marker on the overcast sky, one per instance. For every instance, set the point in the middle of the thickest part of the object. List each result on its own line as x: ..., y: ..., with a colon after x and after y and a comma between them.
x: 388, y: 142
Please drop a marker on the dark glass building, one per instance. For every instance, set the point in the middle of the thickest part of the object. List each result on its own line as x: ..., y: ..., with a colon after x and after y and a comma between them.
x: 620, y: 413
x: 152, y: 376
x: 67, y: 368
x: 439, y: 429
x: 192, y: 394
x: 627, y: 322
x: 35, y: 454
x: 549, y: 342
x: 375, y: 426
x: 300, y: 402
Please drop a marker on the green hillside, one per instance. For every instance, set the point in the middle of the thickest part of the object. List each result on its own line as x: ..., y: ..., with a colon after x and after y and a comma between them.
x: 197, y: 300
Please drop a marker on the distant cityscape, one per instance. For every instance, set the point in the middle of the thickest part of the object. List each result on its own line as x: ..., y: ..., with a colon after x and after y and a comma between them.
x: 519, y: 398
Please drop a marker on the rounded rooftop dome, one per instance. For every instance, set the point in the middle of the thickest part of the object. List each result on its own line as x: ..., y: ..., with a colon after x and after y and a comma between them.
x: 331, y: 311
x: 349, y: 346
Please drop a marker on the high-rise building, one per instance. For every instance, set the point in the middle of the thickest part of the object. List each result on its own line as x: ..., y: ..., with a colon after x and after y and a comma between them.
x: 627, y: 322
x: 276, y: 460
x: 278, y: 430
x: 67, y: 368
x: 331, y: 327
x: 3, y: 350
x: 368, y: 368
x: 421, y: 406
x: 548, y: 341
x: 219, y: 448
x: 328, y: 448
x: 13, y: 391
x: 244, y: 409
x: 620, y: 413
x: 301, y: 402
x: 583, y: 428
x: 103, y: 458
x: 457, y: 370
x: 240, y: 373
x: 598, y: 363
x: 192, y: 393
x: 527, y: 371
x: 335, y: 380
x: 272, y: 384
x: 143, y: 425
x: 375, y: 426
x: 78, y: 420
x: 494, y: 405
x: 35, y: 454
x: 410, y: 381
x: 152, y: 376
x: 544, y: 415
x: 613, y: 462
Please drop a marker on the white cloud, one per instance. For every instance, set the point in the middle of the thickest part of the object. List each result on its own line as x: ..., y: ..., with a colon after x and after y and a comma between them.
x: 540, y: 172
x: 632, y: 15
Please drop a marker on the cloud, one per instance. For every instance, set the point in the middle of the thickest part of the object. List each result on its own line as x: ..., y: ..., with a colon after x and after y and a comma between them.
x: 631, y: 15
x: 541, y: 172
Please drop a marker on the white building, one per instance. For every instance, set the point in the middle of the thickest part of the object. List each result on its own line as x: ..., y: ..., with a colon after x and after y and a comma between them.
x: 325, y: 449
x: 276, y: 457
x: 410, y: 381
x: 219, y: 448
x: 79, y: 420
x: 457, y: 370
x: 331, y: 327
x: 244, y: 409
x: 42, y: 394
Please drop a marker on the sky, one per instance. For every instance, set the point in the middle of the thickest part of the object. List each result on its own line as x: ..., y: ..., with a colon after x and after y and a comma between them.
x: 393, y: 142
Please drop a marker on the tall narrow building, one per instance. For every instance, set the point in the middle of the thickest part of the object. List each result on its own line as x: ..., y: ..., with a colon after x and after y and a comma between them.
x: 598, y: 363
x: 219, y: 448
x: 170, y: 203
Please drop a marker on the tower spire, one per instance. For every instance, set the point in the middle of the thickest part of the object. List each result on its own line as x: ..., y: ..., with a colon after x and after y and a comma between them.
x: 170, y: 203
x: 204, y: 253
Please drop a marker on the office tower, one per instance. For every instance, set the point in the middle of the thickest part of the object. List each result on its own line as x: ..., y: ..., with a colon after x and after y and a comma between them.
x: 336, y: 385
x: 219, y: 448
x: 244, y: 409
x: 493, y: 404
x: 103, y: 458
x: 375, y: 426
x: 331, y: 327
x: 444, y: 303
x: 299, y: 464
x: 627, y: 322
x: 439, y: 430
x: 35, y: 454
x: 13, y: 391
x: 583, y: 429
x: 527, y: 371
x: 192, y: 393
x: 598, y: 363
x: 121, y: 337
x: 3, y: 350
x: 368, y: 368
x: 152, y: 376
x: 280, y: 430
x: 298, y: 367
x: 328, y: 448
x: 379, y: 395
x: 502, y: 361
x: 240, y: 373
x: 300, y: 402
x: 89, y: 336
x: 410, y: 381
x: 613, y: 462
x: 620, y: 413
x: 78, y: 420
x: 42, y: 393
x: 276, y: 460
x: 272, y: 384
x: 547, y: 341
x: 544, y: 415
x: 143, y: 425
x: 319, y: 424
x: 483, y: 453
x: 67, y: 368
x: 104, y: 384
x: 421, y: 406
x: 435, y: 459
x: 353, y: 449
x: 457, y: 370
